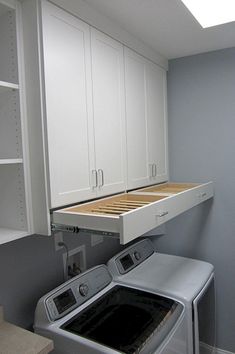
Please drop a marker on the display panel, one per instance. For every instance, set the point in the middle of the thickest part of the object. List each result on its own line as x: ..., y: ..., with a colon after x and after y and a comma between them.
x: 126, y: 262
x: 64, y: 301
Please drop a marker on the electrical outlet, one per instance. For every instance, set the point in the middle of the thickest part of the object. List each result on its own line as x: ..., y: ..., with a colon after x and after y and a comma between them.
x: 76, y: 262
x: 58, y: 237
x: 96, y: 239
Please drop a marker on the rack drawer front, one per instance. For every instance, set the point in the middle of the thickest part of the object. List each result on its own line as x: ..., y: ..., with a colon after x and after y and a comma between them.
x: 186, y: 196
x: 204, y: 192
x: 177, y: 204
x: 91, y: 222
x: 135, y: 224
x: 181, y: 197
x: 104, y: 214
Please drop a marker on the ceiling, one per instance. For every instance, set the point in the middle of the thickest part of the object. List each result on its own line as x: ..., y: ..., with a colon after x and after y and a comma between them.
x: 166, y: 26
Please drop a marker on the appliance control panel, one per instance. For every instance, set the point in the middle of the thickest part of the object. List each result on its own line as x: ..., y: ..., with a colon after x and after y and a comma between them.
x: 131, y: 257
x: 76, y: 291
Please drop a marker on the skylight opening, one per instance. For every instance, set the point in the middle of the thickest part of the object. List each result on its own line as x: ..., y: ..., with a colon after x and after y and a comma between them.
x: 211, y: 13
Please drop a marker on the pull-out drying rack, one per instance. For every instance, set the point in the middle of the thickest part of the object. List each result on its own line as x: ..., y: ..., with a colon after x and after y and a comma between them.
x: 130, y: 215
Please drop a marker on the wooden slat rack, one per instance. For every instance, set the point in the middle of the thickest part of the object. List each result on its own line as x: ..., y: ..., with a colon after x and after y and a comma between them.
x: 167, y: 188
x: 116, y: 205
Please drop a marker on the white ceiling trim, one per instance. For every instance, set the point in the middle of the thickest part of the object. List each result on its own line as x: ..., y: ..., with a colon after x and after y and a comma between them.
x: 167, y: 26
x: 95, y: 18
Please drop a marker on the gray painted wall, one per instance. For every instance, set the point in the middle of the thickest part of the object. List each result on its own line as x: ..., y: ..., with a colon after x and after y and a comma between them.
x: 30, y: 267
x: 202, y: 148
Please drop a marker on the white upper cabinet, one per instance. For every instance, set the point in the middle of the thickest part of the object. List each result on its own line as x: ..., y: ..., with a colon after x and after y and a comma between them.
x: 97, y: 126
x: 84, y: 103
x: 67, y: 74
x: 138, y: 171
x: 156, y: 107
x: 109, y: 113
x: 103, y: 106
x: 146, y: 121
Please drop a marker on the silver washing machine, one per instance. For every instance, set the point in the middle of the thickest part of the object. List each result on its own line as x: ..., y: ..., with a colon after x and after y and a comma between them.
x: 187, y: 280
x: 92, y: 313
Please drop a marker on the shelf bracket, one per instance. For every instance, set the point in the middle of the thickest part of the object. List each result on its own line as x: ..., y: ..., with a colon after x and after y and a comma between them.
x: 75, y: 229
x: 64, y: 228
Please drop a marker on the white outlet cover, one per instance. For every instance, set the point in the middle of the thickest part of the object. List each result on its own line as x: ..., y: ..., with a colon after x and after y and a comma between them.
x: 80, y: 249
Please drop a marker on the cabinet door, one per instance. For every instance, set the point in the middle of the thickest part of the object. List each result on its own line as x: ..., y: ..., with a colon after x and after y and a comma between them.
x: 136, y: 121
x: 66, y: 48
x: 156, y: 121
x: 109, y: 112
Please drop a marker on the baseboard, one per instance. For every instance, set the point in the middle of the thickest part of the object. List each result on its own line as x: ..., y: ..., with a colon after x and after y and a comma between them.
x: 207, y: 349
x: 220, y: 351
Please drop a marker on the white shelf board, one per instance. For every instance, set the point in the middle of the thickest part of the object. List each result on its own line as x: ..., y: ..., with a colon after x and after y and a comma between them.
x: 6, y: 5
x: 10, y: 161
x: 7, y: 235
x: 7, y: 86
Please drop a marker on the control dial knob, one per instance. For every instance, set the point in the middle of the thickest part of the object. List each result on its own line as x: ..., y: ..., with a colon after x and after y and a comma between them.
x: 137, y: 255
x: 83, y: 289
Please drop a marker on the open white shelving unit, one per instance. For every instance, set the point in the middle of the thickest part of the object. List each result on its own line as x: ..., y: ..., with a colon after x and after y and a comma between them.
x: 14, y: 191
x: 7, y: 86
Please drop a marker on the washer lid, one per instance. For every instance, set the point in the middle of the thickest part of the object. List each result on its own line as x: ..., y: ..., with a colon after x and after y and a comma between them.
x: 125, y: 319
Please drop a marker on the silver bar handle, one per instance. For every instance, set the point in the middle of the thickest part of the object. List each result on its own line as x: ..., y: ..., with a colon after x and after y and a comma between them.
x: 94, y: 172
x: 155, y: 170
x: 202, y: 195
x: 164, y: 213
x: 150, y: 170
x: 101, y: 173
